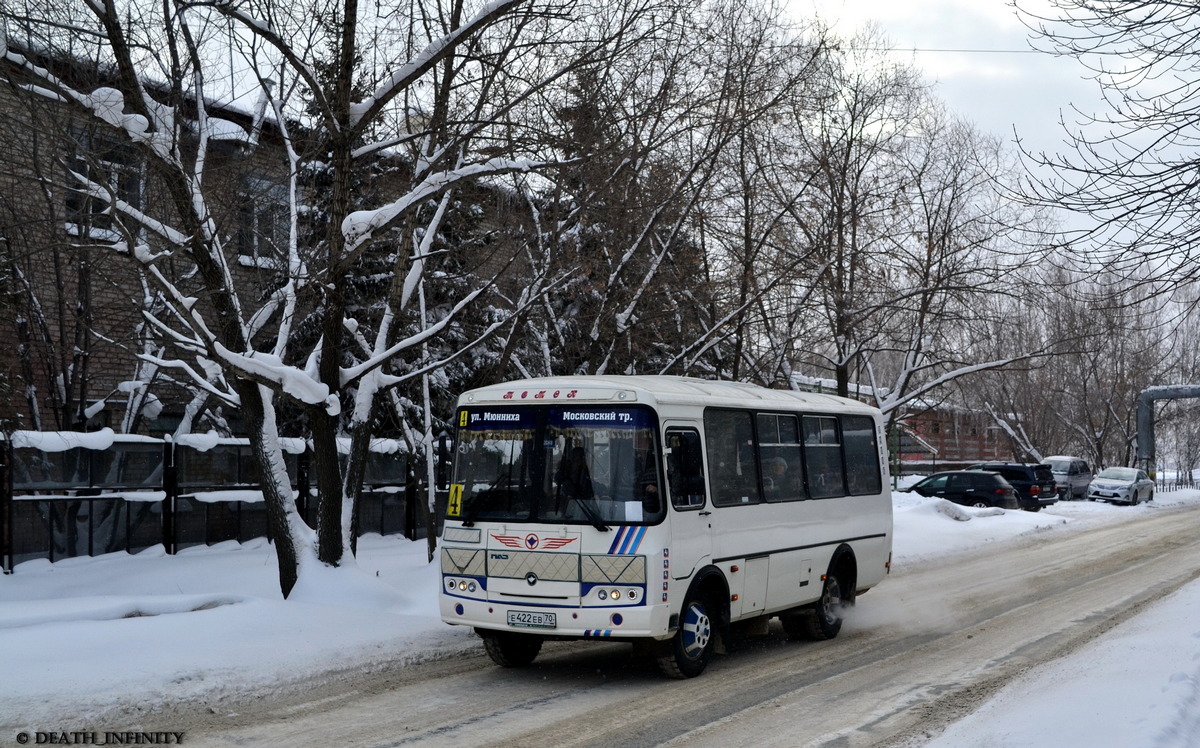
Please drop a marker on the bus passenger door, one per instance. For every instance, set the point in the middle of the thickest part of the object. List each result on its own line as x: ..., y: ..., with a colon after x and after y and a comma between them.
x: 691, y: 514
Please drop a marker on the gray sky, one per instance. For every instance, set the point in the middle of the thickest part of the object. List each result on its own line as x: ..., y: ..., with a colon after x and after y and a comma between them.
x: 995, y: 91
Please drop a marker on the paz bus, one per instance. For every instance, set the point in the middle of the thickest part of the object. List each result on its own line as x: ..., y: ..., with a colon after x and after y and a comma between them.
x: 661, y: 511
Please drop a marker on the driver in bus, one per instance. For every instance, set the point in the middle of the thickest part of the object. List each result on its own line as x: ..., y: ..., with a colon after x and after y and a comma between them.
x: 647, y: 482
x: 574, y: 479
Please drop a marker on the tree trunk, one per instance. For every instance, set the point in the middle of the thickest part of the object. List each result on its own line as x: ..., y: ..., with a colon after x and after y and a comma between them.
x: 284, y: 521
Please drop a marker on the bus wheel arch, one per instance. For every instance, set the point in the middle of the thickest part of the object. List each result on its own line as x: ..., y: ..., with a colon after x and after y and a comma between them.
x: 823, y: 619
x: 698, y: 627
x: 844, y: 566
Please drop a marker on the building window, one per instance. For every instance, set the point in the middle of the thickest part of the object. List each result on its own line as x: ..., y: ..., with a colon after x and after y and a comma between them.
x: 113, y: 171
x: 261, y: 233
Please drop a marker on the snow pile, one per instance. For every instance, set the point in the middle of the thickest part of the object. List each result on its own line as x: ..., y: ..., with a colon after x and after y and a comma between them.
x: 121, y: 633
x: 927, y: 528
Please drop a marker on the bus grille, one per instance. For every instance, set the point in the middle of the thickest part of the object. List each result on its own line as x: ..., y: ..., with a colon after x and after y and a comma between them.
x: 613, y: 569
x: 469, y: 561
x: 550, y: 567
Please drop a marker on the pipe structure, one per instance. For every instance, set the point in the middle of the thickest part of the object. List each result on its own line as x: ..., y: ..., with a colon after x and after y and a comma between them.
x: 1145, y: 418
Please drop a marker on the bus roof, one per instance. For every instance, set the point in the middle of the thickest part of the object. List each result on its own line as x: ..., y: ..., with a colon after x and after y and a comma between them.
x: 653, y: 389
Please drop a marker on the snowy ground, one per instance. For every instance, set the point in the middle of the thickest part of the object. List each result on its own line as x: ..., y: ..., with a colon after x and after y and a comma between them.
x: 82, y: 636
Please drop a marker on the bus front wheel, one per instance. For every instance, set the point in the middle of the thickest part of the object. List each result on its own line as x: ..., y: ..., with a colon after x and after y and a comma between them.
x: 686, y: 654
x: 511, y: 650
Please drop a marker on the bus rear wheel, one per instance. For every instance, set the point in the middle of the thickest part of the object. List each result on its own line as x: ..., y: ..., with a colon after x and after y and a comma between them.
x: 511, y: 650
x: 686, y: 654
x: 824, y: 619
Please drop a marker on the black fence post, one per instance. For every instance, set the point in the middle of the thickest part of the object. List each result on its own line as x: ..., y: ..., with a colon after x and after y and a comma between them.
x: 444, y: 458
x: 170, y: 491
x: 410, y: 501
x: 91, y: 505
x: 6, y: 507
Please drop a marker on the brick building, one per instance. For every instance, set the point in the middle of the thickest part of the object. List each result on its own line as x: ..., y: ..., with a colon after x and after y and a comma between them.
x: 946, y: 437
x: 74, y: 309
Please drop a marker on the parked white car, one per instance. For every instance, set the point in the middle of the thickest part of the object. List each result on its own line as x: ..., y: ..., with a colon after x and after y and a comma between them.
x: 1121, y: 485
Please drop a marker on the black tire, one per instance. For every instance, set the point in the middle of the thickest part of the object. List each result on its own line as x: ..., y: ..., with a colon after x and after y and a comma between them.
x: 686, y: 654
x: 981, y: 505
x: 511, y: 650
x: 1150, y: 497
x: 824, y: 619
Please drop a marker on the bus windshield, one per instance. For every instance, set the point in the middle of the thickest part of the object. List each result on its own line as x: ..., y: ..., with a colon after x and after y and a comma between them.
x: 593, y: 465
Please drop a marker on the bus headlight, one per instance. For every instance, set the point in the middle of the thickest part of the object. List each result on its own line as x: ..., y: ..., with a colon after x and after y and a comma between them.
x: 602, y: 595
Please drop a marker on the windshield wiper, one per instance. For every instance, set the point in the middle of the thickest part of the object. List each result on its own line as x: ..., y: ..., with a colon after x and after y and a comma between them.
x: 592, y: 515
x: 485, y: 497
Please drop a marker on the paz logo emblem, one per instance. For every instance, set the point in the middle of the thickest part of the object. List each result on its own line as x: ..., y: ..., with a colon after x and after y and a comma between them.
x: 531, y: 578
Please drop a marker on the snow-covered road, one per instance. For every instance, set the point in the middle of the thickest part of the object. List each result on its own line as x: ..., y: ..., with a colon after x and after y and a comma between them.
x: 927, y: 647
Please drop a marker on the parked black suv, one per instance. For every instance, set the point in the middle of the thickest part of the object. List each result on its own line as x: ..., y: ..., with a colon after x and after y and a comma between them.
x: 1034, y: 483
x: 969, y: 488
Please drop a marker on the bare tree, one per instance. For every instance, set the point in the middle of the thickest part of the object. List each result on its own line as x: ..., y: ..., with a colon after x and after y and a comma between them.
x: 956, y: 244
x: 1104, y: 345
x: 752, y: 250
x: 1131, y: 172
x: 900, y: 233
x: 646, y: 138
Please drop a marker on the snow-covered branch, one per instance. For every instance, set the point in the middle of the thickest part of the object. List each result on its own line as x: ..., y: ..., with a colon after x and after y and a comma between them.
x: 268, y: 369
x: 406, y: 75
x: 359, y: 226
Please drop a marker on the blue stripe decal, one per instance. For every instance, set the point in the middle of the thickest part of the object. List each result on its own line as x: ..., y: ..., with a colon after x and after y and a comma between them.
x: 632, y: 541
x: 617, y: 540
x: 627, y: 541
x: 641, y: 534
x: 625, y: 545
x: 597, y: 633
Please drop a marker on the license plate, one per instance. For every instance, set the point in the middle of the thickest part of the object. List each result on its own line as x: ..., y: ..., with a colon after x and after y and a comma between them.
x: 531, y: 619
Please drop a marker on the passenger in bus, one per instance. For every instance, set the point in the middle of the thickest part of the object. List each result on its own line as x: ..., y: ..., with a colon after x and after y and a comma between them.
x: 775, y: 472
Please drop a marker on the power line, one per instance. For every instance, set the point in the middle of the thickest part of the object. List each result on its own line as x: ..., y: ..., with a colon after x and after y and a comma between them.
x: 960, y: 51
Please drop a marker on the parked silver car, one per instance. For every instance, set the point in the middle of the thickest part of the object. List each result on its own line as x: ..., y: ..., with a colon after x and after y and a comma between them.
x: 1072, y: 475
x: 1121, y: 485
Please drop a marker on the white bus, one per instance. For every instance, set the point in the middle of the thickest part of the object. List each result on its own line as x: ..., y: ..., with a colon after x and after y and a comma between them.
x: 660, y: 511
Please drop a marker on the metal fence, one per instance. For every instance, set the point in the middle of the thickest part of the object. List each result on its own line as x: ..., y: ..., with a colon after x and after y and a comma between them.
x: 66, y: 494
x: 1171, y: 481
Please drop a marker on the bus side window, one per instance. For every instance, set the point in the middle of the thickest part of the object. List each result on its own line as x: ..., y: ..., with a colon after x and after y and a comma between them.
x: 685, y: 469
x: 732, y: 457
x: 823, y: 457
x: 862, y: 455
x: 779, y: 455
